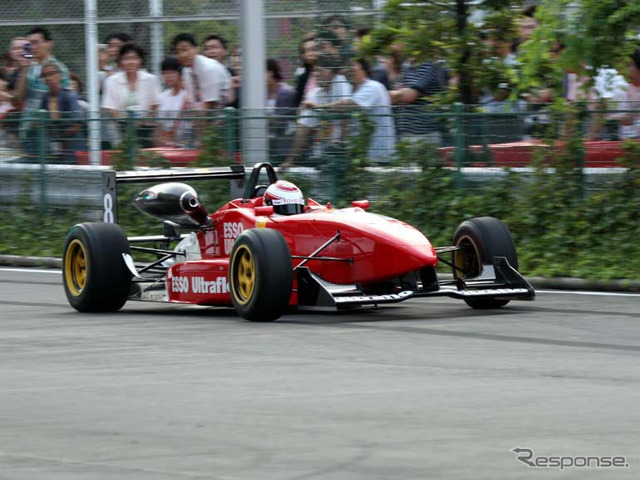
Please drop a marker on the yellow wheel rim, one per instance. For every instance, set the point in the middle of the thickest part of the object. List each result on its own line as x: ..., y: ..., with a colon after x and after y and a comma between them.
x: 75, y: 267
x: 244, y: 272
x: 466, y: 260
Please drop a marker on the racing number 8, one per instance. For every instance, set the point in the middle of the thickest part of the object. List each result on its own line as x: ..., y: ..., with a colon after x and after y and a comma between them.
x: 108, y: 208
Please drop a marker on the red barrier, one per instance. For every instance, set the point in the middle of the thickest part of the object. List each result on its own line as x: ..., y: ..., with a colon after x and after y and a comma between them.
x: 598, y: 154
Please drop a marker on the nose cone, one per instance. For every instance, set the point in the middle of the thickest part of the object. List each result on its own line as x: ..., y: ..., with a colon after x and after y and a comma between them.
x: 395, y: 247
x: 401, y: 248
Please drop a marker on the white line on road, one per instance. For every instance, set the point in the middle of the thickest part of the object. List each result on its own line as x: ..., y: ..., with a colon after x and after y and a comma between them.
x: 595, y: 294
x: 30, y: 270
x: 566, y: 292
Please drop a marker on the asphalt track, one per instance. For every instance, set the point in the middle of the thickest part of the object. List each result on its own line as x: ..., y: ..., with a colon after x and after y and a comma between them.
x: 423, y: 389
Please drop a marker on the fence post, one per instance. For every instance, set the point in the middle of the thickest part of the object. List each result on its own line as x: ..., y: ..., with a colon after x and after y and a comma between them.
x: 458, y: 109
x: 230, y: 132
x: 132, y: 141
x: 41, y: 118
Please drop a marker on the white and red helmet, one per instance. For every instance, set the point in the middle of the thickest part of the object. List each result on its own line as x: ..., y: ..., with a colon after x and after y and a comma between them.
x: 285, y: 197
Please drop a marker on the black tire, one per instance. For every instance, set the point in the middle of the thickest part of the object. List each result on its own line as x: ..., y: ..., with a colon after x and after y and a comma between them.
x: 94, y: 274
x: 482, y: 238
x: 260, y: 275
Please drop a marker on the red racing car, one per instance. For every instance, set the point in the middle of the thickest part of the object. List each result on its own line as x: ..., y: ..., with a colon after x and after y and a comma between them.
x: 270, y: 251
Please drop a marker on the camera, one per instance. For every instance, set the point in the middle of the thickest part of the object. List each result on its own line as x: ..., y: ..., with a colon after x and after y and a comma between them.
x: 27, y: 51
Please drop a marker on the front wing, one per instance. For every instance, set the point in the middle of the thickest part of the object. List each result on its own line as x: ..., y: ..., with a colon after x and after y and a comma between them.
x: 499, y: 281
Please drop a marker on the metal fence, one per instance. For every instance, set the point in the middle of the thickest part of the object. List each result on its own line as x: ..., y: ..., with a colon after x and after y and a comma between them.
x: 476, y: 147
x: 153, y: 23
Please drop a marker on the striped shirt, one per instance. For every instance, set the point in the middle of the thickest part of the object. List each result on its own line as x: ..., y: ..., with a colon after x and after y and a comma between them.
x: 428, y: 80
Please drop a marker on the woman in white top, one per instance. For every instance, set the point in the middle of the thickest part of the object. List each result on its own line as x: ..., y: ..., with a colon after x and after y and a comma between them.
x: 173, y: 101
x: 133, y: 90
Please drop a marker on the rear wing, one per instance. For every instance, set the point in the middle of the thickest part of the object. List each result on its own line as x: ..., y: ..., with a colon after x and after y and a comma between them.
x: 111, y: 179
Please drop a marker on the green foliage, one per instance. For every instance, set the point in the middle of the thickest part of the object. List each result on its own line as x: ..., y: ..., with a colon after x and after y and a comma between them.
x: 562, y: 226
x: 594, y: 33
x: 443, y: 31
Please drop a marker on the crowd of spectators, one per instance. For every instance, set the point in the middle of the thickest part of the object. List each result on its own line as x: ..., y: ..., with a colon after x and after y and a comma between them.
x: 309, y: 117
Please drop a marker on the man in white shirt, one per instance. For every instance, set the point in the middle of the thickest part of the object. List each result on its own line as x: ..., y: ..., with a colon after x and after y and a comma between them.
x: 332, y: 87
x: 205, y: 79
x: 629, y: 102
x: 374, y: 99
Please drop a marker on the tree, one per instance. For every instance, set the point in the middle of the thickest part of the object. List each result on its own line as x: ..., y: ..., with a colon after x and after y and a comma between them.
x: 443, y: 30
x: 590, y: 33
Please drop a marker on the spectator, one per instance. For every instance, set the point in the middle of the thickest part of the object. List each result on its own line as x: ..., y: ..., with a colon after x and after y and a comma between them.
x: 340, y: 28
x: 114, y: 42
x: 280, y: 104
x: 104, y: 70
x: 133, y: 90
x: 16, y: 52
x: 527, y: 23
x: 78, y: 87
x: 329, y: 44
x: 308, y: 55
x: 416, y: 82
x: 630, y: 121
x: 65, y: 137
x: 31, y: 88
x: 332, y: 87
x: 236, y: 61
x: 379, y: 71
x: 173, y: 102
x: 215, y: 47
x: 6, y: 97
x: 6, y: 107
x: 396, y: 64
x: 374, y: 99
x: 206, y: 80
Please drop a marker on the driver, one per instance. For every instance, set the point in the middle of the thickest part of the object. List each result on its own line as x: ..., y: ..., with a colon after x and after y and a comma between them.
x: 286, y: 198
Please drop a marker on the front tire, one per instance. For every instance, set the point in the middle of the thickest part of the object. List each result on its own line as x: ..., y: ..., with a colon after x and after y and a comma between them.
x: 94, y: 274
x: 482, y: 238
x: 260, y: 275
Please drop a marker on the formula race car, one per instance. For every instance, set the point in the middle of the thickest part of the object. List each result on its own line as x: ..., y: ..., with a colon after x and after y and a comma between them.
x: 270, y: 251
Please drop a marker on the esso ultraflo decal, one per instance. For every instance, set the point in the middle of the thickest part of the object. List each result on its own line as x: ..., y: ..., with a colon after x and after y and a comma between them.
x: 181, y: 284
x: 231, y: 231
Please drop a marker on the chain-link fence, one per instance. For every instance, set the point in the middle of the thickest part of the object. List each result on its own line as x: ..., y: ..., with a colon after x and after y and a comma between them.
x: 286, y: 23
x: 475, y: 147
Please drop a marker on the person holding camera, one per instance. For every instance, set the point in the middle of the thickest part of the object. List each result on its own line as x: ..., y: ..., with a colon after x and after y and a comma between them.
x: 31, y: 88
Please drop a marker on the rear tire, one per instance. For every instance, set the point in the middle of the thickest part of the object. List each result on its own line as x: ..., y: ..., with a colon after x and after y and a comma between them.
x: 260, y: 275
x: 482, y: 239
x: 94, y: 275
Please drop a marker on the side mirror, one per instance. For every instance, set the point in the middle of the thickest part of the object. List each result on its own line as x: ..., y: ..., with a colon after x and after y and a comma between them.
x: 264, y: 211
x: 363, y: 204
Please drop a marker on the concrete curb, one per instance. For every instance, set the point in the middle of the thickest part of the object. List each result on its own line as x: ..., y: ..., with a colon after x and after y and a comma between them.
x: 31, y: 262
x: 568, y: 283
x: 560, y: 283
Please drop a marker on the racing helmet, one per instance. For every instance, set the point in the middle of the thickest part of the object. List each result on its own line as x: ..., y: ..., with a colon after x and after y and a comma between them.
x: 285, y: 197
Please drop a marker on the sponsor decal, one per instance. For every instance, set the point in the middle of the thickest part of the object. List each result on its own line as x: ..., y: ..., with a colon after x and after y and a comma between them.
x: 261, y: 222
x: 231, y: 231
x: 199, y: 285
x: 179, y: 284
